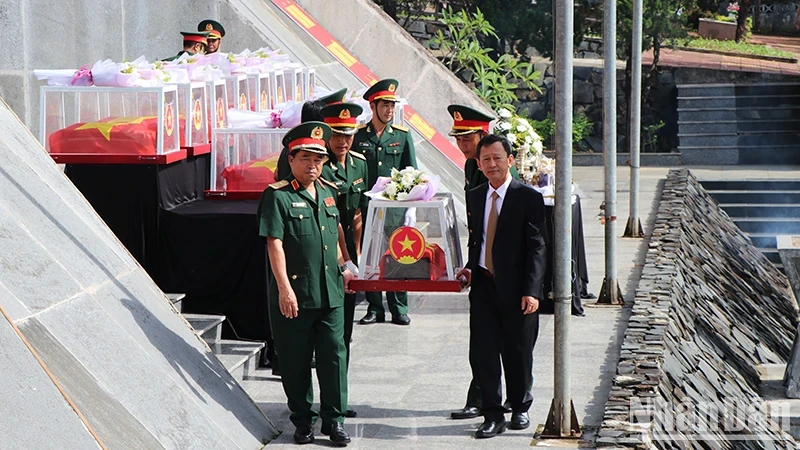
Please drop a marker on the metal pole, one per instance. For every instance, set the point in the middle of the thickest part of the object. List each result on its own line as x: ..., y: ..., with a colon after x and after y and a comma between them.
x: 610, y: 290
x: 634, y: 226
x: 562, y: 421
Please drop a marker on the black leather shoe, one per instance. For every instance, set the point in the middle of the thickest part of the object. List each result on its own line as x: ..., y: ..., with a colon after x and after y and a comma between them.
x: 467, y: 412
x: 589, y: 296
x: 507, y: 407
x: 336, y: 432
x: 350, y: 413
x: 578, y: 314
x: 402, y: 319
x: 489, y: 429
x: 304, y: 434
x: 519, y: 421
x: 372, y: 318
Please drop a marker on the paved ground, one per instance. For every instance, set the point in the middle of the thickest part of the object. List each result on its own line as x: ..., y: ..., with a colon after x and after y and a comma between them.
x: 404, y: 381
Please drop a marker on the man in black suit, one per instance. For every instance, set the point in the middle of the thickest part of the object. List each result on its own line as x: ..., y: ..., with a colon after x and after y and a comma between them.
x: 505, y: 269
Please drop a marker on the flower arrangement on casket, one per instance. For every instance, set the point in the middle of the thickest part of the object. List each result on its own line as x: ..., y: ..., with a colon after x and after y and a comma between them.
x: 408, y: 184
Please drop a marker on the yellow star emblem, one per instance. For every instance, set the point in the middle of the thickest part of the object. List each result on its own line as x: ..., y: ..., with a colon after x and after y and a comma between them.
x: 408, y: 244
x: 105, y: 127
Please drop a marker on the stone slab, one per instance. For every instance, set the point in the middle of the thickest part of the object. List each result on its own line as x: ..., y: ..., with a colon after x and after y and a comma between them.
x: 35, y: 414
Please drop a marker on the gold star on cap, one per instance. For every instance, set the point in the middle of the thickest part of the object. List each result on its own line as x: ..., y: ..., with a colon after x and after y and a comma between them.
x: 317, y: 133
x: 345, y: 114
x: 392, y: 88
x: 209, y: 27
x: 457, y: 116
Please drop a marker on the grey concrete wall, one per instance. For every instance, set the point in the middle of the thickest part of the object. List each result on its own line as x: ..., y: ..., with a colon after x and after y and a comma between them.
x: 390, y: 52
x: 128, y: 360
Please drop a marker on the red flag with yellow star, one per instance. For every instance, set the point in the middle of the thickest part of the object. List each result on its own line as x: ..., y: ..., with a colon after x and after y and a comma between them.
x: 112, y: 135
x: 251, y: 176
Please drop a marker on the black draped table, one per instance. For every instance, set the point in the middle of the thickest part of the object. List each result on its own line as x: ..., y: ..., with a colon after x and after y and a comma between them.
x: 580, y: 273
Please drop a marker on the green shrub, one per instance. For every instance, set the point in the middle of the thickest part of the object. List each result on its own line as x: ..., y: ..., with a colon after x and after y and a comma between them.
x: 581, y: 128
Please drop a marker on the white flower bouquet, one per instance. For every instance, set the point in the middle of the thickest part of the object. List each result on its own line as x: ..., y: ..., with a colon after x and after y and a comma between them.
x: 526, y: 144
x: 408, y: 184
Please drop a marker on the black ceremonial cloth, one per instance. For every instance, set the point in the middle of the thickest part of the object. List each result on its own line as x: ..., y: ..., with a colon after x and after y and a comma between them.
x: 213, y: 254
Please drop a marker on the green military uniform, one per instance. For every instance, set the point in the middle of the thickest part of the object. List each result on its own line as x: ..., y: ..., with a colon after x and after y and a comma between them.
x: 190, y: 37
x: 393, y: 149
x: 308, y: 229
x: 350, y: 179
x: 282, y: 169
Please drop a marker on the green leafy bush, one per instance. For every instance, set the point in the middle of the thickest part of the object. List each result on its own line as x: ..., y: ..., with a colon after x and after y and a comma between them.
x: 495, y: 79
x: 581, y: 128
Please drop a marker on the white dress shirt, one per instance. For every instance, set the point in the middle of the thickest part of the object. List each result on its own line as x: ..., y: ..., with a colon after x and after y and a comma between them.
x: 501, y: 194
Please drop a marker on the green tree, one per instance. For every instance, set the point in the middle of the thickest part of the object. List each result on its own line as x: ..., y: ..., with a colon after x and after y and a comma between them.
x: 461, y: 50
x: 663, y: 20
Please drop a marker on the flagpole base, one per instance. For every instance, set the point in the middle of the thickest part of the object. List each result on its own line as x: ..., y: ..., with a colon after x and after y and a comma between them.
x: 552, y: 429
x: 634, y: 228
x: 610, y: 294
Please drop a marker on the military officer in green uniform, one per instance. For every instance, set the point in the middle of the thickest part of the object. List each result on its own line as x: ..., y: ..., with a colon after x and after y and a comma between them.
x: 312, y: 110
x: 348, y: 171
x: 386, y: 146
x: 299, y: 218
x: 469, y: 126
x: 193, y: 44
x: 215, y: 32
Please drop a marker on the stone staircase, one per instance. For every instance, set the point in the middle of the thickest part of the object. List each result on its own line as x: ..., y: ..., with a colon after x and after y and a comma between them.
x: 761, y: 209
x: 739, y: 124
x: 240, y: 358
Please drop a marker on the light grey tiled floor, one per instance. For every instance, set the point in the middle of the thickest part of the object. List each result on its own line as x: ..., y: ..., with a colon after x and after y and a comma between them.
x: 404, y: 381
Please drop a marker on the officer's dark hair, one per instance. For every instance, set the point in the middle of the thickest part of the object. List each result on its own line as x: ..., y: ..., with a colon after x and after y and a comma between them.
x: 312, y: 111
x: 190, y: 44
x: 490, y: 139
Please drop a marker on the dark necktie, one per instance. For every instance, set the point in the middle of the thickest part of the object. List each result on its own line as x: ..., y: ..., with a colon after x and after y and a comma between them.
x: 491, y: 225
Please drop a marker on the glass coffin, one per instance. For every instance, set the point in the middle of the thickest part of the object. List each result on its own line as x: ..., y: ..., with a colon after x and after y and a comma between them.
x: 236, y: 87
x: 217, y: 104
x: 192, y: 112
x: 293, y: 83
x: 111, y: 125
x: 259, y: 89
x: 309, y: 81
x: 244, y: 161
x: 410, y: 246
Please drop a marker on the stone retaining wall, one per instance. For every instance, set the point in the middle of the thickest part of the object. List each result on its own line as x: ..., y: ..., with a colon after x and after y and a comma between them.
x: 709, y: 308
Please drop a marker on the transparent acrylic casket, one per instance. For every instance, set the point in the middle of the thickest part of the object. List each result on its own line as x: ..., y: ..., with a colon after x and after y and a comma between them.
x: 192, y: 107
x: 309, y: 81
x: 423, y: 257
x: 217, y: 103
x: 260, y: 91
x: 236, y: 87
x: 293, y: 82
x: 136, y: 122
x: 244, y: 160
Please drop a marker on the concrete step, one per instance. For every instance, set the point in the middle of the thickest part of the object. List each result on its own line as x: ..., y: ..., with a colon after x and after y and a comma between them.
x: 722, y: 90
x: 751, y: 185
x: 764, y: 126
x: 708, y: 140
x: 763, y: 240
x: 176, y: 300
x: 710, y: 127
x: 207, y: 326
x: 768, y: 225
x: 738, y: 101
x: 772, y: 255
x: 770, y: 139
x: 787, y: 197
x: 240, y: 358
x: 698, y: 156
x: 743, y: 210
x: 706, y: 114
x: 769, y: 113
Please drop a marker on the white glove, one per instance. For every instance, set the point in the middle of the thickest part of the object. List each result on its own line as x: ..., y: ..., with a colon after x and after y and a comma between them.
x: 411, y: 217
x: 349, y: 265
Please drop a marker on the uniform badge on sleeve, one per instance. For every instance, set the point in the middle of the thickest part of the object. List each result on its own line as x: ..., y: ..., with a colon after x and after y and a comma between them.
x: 329, y: 201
